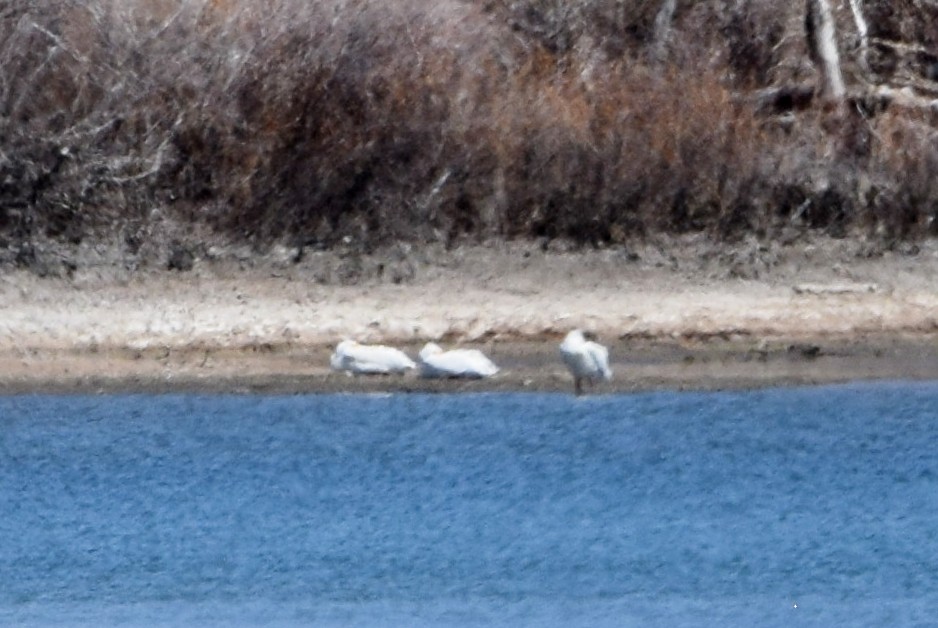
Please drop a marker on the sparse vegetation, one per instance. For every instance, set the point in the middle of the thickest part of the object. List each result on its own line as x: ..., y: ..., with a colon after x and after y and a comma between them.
x: 146, y: 127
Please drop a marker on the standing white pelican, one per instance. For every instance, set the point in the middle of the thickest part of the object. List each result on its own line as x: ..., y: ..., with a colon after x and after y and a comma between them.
x: 353, y: 357
x: 585, y: 358
x: 471, y: 363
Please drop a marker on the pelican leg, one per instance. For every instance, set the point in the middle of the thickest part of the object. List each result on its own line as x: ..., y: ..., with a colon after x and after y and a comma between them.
x: 578, y: 386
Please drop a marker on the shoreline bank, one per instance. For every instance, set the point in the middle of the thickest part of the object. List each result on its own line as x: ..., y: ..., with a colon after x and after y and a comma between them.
x: 525, y: 367
x: 820, y: 316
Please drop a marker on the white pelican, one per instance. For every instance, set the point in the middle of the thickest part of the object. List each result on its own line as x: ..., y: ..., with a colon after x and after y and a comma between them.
x: 353, y: 357
x: 586, y: 359
x: 471, y: 363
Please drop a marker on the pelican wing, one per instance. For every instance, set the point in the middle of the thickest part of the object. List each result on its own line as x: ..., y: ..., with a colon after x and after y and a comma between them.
x: 574, y: 361
x: 598, y: 357
x: 577, y: 359
x: 457, y: 363
x: 371, y: 359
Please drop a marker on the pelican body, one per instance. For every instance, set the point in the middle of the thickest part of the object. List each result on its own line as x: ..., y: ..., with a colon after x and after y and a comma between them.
x: 586, y: 359
x: 468, y: 363
x: 358, y: 359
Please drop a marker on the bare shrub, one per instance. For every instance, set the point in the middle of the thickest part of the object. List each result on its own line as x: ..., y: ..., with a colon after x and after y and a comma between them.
x: 629, y: 156
x: 152, y: 123
x: 903, y: 192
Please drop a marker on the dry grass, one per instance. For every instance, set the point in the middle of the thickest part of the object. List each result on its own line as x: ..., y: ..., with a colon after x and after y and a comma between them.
x: 144, y: 124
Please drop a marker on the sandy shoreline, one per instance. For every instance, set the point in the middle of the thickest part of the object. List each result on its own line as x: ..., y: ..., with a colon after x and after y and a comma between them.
x: 526, y: 366
x: 219, y: 328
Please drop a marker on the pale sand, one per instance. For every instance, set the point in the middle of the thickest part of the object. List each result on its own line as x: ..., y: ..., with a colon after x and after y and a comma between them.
x: 810, y: 316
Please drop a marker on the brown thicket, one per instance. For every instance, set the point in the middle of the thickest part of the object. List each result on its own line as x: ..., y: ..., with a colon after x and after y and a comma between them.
x: 144, y: 125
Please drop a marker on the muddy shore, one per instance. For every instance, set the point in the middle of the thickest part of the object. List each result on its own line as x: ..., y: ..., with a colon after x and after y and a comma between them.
x: 818, y: 314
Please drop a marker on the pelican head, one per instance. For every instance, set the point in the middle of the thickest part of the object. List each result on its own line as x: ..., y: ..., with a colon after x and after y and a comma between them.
x: 431, y: 348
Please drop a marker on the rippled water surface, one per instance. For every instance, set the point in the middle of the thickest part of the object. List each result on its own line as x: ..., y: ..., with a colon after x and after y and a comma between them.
x: 815, y: 506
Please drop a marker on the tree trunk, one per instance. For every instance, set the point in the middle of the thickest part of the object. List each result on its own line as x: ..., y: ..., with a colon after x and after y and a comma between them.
x: 662, y: 30
x: 862, y: 32
x: 822, y: 42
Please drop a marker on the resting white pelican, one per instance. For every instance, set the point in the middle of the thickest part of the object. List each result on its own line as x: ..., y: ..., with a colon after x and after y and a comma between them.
x: 586, y: 359
x: 471, y: 363
x: 359, y: 359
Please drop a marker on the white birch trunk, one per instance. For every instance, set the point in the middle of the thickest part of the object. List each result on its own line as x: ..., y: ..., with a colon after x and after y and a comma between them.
x: 825, y: 45
x: 862, y: 31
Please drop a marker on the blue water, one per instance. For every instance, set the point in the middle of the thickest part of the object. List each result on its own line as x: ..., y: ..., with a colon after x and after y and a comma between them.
x: 814, y: 506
